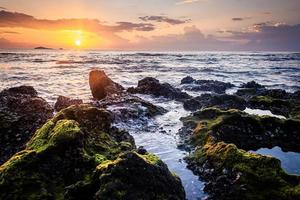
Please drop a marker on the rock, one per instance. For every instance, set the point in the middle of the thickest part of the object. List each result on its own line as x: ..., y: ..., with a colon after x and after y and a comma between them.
x: 78, y: 155
x: 102, y: 86
x: 126, y: 107
x: 248, y: 132
x: 21, y: 113
x: 205, y: 85
x: 152, y: 86
x: 220, y: 139
x: 276, y: 106
x: 253, y: 85
x: 223, y: 101
x: 188, y: 80
x: 142, y: 150
x: 64, y: 102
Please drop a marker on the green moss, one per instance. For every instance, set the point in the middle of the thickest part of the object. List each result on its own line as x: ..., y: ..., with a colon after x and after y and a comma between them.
x: 77, y: 155
x: 151, y: 158
x: 262, y: 176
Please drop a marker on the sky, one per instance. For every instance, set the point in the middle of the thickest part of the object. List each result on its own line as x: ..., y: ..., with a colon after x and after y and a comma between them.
x: 165, y: 25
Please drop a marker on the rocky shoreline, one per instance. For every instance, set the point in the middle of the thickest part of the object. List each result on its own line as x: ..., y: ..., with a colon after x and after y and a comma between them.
x: 79, y: 154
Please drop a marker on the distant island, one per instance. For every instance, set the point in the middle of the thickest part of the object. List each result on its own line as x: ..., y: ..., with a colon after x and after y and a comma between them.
x: 43, y: 48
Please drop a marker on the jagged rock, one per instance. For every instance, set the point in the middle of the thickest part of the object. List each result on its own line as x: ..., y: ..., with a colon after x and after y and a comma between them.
x: 21, y: 113
x: 205, y: 85
x: 219, y: 137
x: 252, y: 84
x: 223, y: 101
x: 152, y: 86
x: 64, y: 102
x: 101, y: 85
x: 127, y: 107
x: 276, y: 106
x: 78, y: 155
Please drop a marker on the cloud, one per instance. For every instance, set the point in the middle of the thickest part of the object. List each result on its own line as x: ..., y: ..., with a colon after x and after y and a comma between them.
x: 164, y: 19
x: 192, y: 39
x: 15, y: 19
x: 240, y: 18
x: 269, y: 36
x: 9, y: 32
x: 186, y: 2
x: 2, y: 8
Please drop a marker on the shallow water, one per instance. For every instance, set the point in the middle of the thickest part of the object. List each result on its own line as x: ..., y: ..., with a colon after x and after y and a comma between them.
x: 55, y: 73
x: 290, y: 161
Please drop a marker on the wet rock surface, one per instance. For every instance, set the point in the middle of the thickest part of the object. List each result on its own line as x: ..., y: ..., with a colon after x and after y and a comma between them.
x: 126, y: 107
x: 192, y: 84
x: 152, y: 86
x: 220, y: 139
x: 21, y: 113
x: 64, y: 102
x: 101, y: 85
x: 224, y: 101
x: 79, y: 155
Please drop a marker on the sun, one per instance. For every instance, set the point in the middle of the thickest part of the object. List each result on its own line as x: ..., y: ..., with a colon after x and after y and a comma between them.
x: 77, y: 43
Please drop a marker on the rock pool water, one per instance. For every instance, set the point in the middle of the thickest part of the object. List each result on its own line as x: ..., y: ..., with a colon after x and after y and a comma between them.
x: 290, y: 161
x: 54, y: 73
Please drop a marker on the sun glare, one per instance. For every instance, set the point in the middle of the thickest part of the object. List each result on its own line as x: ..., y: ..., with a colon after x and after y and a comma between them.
x: 77, y: 43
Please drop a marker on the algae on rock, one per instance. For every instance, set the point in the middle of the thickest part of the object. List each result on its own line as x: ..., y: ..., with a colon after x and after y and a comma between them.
x: 78, y: 152
x: 219, y: 137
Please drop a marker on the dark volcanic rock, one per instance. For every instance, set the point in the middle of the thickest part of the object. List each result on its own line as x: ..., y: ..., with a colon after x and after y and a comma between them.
x: 253, y: 85
x: 219, y: 138
x: 21, y: 113
x: 126, y: 107
x: 102, y: 86
x: 205, y: 85
x: 152, y: 86
x: 224, y: 101
x: 64, y: 102
x: 78, y: 155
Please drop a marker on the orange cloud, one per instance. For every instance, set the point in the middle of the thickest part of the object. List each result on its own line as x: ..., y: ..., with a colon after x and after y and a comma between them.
x: 15, y: 19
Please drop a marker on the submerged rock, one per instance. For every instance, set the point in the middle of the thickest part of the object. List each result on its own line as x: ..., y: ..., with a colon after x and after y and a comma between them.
x: 78, y: 155
x: 152, y: 86
x: 64, y: 102
x: 21, y: 113
x: 205, y: 85
x: 101, y: 85
x: 224, y: 101
x: 220, y: 139
x: 126, y: 107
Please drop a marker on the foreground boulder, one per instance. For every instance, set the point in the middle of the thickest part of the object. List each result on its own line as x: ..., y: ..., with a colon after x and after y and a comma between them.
x: 64, y: 102
x: 101, y: 85
x: 205, y: 85
x: 223, y: 101
x: 21, y: 113
x: 220, y: 139
x: 78, y: 155
x: 152, y: 86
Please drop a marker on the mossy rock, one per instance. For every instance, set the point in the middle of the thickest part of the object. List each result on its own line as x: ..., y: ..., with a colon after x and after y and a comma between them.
x: 276, y: 106
x: 65, y: 152
x: 249, y: 132
x: 130, y: 176
x: 219, y: 137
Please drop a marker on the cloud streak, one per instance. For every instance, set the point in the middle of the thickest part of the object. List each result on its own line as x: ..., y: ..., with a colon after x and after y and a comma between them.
x: 186, y: 2
x: 240, y: 18
x: 156, y: 18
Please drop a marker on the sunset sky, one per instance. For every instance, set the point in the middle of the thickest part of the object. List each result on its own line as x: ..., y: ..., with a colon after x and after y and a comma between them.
x: 171, y: 25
